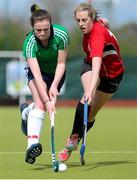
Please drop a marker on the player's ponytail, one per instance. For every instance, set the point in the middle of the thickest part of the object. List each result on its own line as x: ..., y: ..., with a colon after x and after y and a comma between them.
x: 34, y: 8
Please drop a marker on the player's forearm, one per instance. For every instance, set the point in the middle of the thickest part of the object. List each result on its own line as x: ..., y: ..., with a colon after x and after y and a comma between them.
x: 60, y: 69
x: 42, y: 89
x: 94, y: 83
x: 61, y: 66
x: 96, y: 65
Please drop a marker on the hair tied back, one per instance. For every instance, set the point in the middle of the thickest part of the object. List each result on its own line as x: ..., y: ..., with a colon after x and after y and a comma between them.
x: 34, y: 8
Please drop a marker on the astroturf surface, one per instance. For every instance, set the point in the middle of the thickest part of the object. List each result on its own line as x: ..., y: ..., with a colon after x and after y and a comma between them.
x: 111, y: 147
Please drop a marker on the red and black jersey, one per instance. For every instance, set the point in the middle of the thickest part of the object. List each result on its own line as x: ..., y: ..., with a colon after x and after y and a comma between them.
x: 101, y: 42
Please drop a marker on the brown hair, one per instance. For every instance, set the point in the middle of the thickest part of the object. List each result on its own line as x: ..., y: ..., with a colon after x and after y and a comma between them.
x: 38, y: 14
x: 93, y: 13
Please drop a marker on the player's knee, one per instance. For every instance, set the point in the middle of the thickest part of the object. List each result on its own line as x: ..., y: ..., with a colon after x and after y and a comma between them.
x: 40, y: 105
x: 37, y: 113
x: 91, y: 118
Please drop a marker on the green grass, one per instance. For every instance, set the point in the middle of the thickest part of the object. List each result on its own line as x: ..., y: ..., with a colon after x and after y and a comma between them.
x: 111, y: 149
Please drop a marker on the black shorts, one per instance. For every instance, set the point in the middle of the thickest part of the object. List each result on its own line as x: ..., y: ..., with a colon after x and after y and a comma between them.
x: 106, y: 85
x: 47, y: 78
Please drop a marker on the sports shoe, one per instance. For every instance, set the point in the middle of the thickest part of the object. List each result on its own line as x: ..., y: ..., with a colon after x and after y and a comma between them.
x: 64, y: 155
x: 23, y: 122
x: 71, y: 145
x: 34, y: 151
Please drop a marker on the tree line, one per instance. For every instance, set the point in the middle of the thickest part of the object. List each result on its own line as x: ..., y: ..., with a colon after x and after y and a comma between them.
x: 13, y: 34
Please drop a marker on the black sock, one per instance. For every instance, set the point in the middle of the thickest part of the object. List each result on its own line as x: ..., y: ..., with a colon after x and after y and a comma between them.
x: 78, y: 120
x: 89, y: 125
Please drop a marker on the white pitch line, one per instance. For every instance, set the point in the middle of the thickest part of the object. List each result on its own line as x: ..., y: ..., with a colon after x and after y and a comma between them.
x: 89, y: 152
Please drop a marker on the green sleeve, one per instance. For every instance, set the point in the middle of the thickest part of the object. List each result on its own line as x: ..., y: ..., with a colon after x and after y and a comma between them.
x: 64, y: 40
x: 29, y: 47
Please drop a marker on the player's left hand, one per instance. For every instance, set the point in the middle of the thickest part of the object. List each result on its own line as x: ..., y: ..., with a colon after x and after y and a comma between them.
x: 53, y: 93
x: 88, y: 96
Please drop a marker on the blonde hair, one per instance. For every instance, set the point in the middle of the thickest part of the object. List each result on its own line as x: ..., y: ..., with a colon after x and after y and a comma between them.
x: 93, y: 13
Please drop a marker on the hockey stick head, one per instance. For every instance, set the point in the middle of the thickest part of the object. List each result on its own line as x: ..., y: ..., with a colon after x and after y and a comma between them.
x: 55, y: 166
x: 82, y: 150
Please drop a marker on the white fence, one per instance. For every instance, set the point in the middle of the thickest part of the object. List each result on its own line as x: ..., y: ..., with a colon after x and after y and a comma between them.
x: 16, y: 82
x: 13, y: 75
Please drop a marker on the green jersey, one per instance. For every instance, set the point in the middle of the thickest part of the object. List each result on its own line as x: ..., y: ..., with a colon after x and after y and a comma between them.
x: 47, y: 57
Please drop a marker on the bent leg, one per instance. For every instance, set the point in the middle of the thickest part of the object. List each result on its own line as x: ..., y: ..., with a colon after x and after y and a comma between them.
x: 79, y: 114
x: 36, y: 116
x: 36, y: 96
x: 99, y: 100
x: 35, y: 122
x: 77, y: 130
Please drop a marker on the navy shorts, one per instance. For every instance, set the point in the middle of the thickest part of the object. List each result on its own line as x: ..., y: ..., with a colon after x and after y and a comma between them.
x: 47, y: 78
x: 106, y: 85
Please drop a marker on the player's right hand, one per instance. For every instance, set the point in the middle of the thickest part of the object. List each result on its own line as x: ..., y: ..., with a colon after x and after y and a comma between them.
x: 49, y: 106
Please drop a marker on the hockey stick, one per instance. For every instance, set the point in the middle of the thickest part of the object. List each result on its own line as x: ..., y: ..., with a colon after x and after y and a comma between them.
x: 55, y: 164
x: 85, y: 120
